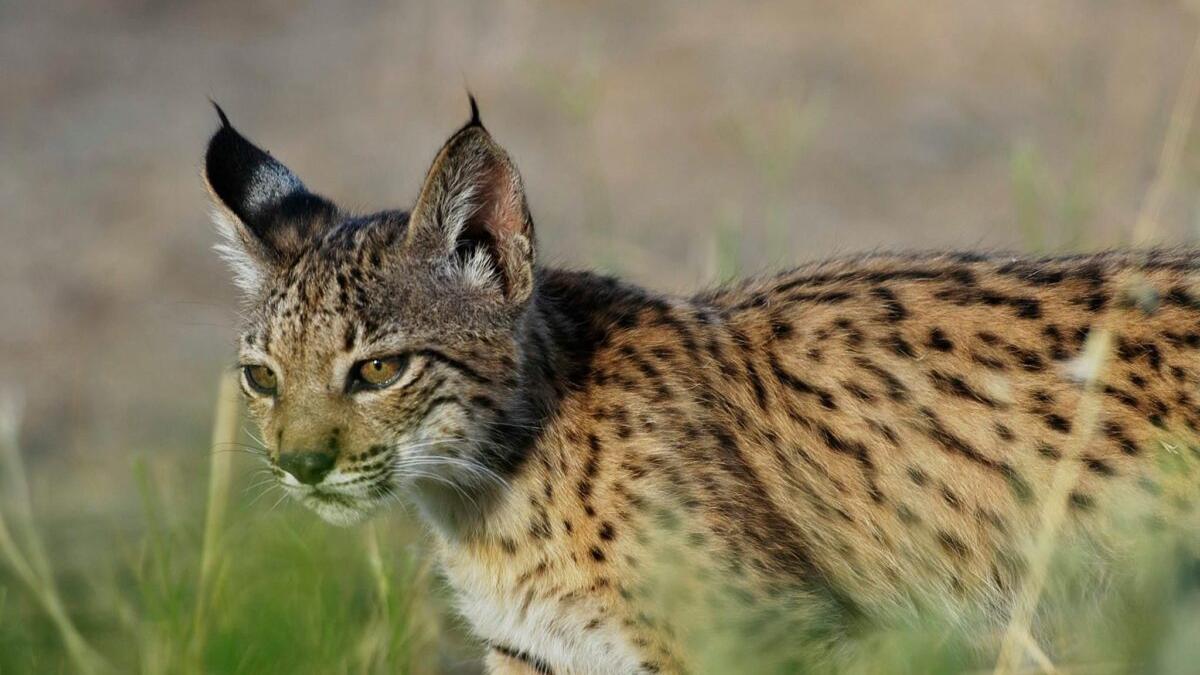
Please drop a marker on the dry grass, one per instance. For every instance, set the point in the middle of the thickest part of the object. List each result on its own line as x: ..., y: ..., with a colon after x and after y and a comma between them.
x: 1017, y: 642
x: 220, y: 480
x: 29, y: 562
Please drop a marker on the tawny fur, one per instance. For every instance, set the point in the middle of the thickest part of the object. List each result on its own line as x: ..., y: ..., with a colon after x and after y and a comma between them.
x: 860, y: 439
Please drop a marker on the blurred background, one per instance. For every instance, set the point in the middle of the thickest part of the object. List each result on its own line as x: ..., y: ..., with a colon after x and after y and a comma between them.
x: 675, y: 143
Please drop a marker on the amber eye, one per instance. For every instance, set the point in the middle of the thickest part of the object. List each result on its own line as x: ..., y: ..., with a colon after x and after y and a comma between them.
x: 377, y: 373
x: 261, y: 379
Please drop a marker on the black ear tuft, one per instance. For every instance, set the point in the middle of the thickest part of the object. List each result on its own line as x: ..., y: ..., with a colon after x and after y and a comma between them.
x: 263, y: 194
x: 475, y: 119
x: 220, y: 113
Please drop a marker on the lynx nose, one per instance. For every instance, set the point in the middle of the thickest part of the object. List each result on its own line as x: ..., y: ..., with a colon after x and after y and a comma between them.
x: 308, y: 467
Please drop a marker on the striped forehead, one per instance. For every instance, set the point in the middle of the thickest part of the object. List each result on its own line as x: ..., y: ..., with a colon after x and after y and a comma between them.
x: 325, y: 301
x: 317, y: 305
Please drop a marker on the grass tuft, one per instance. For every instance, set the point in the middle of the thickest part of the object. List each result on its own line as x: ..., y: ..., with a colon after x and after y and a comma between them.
x: 29, y: 562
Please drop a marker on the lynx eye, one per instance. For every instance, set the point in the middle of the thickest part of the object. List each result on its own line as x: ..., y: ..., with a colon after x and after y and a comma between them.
x: 377, y: 373
x: 261, y: 379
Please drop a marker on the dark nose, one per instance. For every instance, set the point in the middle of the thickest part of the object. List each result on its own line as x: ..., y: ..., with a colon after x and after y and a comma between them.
x: 308, y: 467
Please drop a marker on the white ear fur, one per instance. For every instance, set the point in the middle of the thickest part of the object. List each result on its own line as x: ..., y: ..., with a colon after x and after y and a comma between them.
x: 458, y: 204
x: 456, y: 201
x: 477, y: 271
x: 236, y: 248
x: 261, y: 209
x: 457, y: 191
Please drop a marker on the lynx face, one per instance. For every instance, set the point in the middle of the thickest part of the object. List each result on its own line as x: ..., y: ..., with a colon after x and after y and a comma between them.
x: 378, y: 350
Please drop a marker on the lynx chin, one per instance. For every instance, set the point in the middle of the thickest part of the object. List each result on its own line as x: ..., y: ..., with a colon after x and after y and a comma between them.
x: 850, y: 441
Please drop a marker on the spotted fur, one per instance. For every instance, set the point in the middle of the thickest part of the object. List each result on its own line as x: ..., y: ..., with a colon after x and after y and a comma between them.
x: 854, y: 439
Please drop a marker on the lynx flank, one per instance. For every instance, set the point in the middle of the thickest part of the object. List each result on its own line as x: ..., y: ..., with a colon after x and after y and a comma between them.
x: 855, y: 440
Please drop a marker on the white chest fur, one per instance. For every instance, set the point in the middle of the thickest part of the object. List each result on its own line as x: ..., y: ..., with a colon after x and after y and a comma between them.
x: 560, y: 631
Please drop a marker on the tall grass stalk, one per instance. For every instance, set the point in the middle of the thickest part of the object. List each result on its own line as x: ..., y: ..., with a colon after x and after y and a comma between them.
x: 1171, y: 156
x: 33, y: 568
x: 1017, y: 639
x: 220, y: 478
x: 377, y: 638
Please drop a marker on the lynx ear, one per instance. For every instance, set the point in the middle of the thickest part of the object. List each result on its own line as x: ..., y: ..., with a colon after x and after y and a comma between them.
x: 472, y: 213
x: 263, y: 211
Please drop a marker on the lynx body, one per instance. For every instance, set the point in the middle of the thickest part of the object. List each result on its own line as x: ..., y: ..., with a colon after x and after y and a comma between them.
x: 859, y: 439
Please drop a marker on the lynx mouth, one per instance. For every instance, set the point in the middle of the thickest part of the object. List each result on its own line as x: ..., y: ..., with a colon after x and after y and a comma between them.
x: 326, y: 497
x: 335, y: 506
x: 337, y: 509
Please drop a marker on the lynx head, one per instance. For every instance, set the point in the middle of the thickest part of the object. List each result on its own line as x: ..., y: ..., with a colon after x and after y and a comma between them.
x: 377, y: 349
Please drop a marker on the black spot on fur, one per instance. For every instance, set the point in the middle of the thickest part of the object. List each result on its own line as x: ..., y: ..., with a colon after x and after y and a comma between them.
x: 1004, y: 432
x: 1082, y: 502
x: 1096, y: 301
x: 1099, y: 466
x: 895, y: 310
x: 1027, y: 308
x: 537, y: 665
x: 939, y: 341
x: 907, y: 516
x: 1028, y: 360
x: 1180, y: 297
x: 1049, y: 451
x: 1124, y: 397
x: 950, y: 442
x: 897, y: 391
x: 953, y: 545
x: 955, y: 386
x: 951, y: 499
x: 858, y: 392
x: 1116, y: 432
x: 1058, y: 423
x: 900, y: 346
